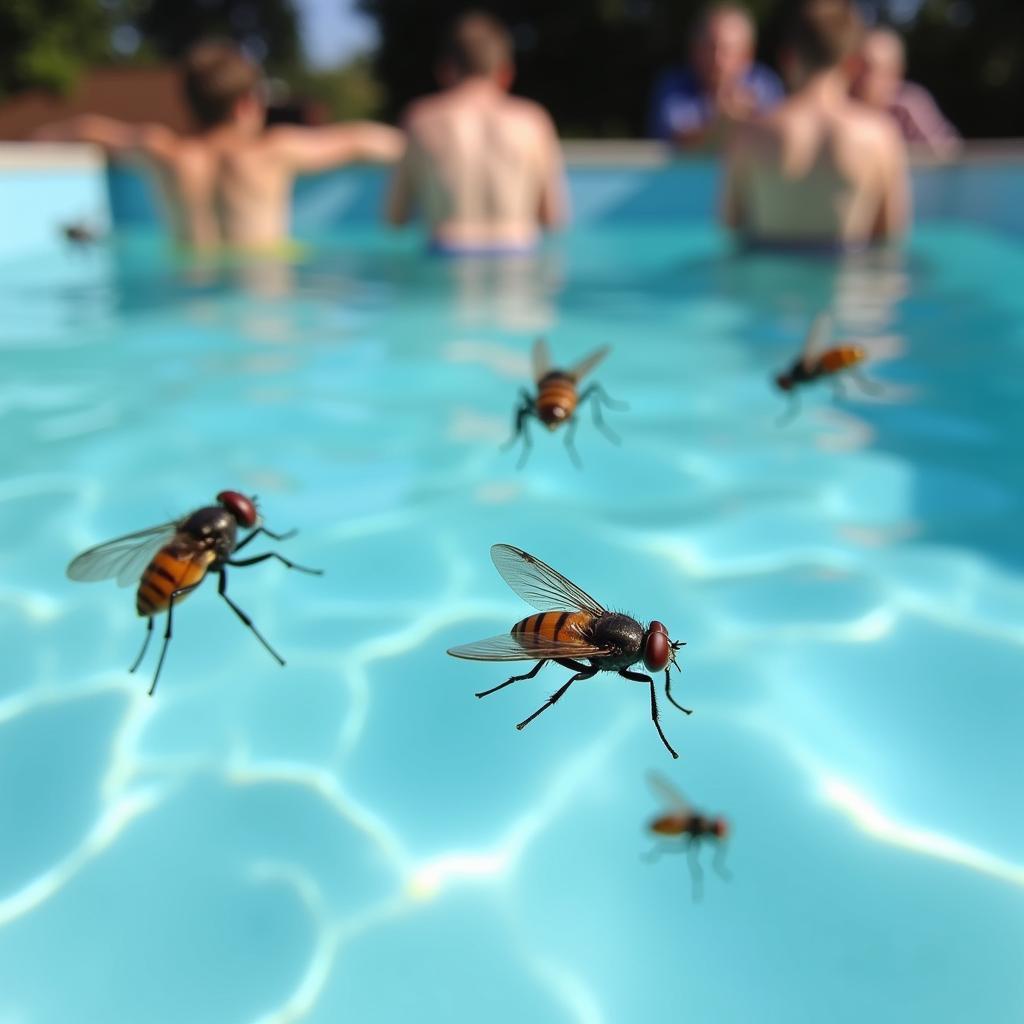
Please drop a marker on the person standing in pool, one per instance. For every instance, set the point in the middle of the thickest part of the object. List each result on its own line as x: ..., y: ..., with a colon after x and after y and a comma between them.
x: 881, y: 84
x: 483, y: 169
x: 229, y: 183
x: 822, y: 170
x: 698, y: 106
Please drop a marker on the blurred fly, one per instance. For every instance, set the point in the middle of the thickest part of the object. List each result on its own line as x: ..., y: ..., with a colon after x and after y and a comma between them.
x: 169, y: 561
x: 81, y: 234
x: 570, y: 629
x: 690, y: 827
x: 821, y: 359
x: 558, y: 398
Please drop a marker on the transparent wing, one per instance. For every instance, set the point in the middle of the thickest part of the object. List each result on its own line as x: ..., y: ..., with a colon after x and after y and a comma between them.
x: 819, y: 337
x: 668, y: 793
x: 541, y: 358
x: 525, y: 647
x: 587, y: 363
x: 124, y: 558
x: 538, y: 584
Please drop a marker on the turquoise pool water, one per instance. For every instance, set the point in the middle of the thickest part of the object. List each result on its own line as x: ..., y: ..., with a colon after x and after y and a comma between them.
x: 355, y: 837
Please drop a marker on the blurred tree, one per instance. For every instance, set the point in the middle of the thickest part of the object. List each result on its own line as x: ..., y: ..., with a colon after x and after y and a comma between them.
x: 48, y: 44
x: 970, y: 54
x: 350, y: 92
x: 267, y: 28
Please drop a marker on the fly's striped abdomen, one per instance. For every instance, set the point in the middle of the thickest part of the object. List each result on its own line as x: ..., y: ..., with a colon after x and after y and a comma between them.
x: 167, y: 573
x: 556, y: 399
x: 841, y: 358
x: 564, y: 626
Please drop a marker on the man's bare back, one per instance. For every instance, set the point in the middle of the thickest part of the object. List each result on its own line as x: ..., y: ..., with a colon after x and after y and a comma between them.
x: 820, y: 168
x: 483, y: 168
x: 231, y: 186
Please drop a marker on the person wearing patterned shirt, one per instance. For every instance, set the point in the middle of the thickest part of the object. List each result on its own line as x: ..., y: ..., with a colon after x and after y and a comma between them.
x: 881, y: 85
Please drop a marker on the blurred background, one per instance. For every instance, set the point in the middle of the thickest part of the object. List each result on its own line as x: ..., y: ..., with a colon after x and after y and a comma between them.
x: 592, y: 62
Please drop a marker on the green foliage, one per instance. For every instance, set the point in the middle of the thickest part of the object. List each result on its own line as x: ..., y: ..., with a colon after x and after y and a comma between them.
x: 268, y: 28
x: 351, y: 92
x: 48, y: 43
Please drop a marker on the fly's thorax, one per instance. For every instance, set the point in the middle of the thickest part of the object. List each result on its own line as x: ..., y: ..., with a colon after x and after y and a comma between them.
x: 214, y: 528
x: 621, y: 633
x: 556, y: 399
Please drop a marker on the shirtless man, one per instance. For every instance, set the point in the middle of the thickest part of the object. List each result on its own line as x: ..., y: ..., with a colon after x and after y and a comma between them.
x: 822, y: 169
x: 230, y: 183
x: 483, y: 169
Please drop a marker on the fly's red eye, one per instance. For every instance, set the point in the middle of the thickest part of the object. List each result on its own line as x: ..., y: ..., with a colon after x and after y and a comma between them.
x: 721, y: 828
x: 657, y: 651
x: 783, y: 382
x: 241, y: 507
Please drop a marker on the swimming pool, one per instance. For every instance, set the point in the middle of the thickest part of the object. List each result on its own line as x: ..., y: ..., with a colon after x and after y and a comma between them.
x: 355, y: 837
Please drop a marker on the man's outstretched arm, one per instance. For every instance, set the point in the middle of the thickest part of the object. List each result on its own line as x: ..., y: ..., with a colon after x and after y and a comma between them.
x: 117, y: 138
x: 309, y: 150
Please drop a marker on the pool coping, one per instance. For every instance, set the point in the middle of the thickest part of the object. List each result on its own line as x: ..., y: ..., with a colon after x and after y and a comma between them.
x: 640, y: 153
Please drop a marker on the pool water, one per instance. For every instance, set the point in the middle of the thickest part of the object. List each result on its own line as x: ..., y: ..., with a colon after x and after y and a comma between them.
x: 355, y: 837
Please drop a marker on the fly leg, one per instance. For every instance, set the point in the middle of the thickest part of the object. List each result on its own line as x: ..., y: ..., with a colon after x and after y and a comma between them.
x: 145, y: 643
x: 719, y: 863
x: 262, y: 529
x: 657, y: 850
x: 570, y: 442
x: 696, y: 871
x: 255, y: 560
x: 586, y: 673
x: 523, y: 411
x: 600, y: 396
x: 791, y: 410
x: 639, y: 677
x: 222, y: 589
x: 838, y: 389
x: 869, y: 387
x: 668, y: 693
x: 515, y: 679
x: 167, y: 633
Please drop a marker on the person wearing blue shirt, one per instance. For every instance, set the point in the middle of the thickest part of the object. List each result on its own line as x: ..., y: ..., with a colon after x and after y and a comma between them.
x: 696, y: 106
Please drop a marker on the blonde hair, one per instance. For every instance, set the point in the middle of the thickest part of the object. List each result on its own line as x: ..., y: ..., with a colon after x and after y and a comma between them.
x: 478, y: 44
x: 825, y: 32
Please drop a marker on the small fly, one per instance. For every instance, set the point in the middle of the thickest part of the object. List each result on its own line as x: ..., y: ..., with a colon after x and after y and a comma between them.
x: 685, y: 828
x: 557, y: 400
x: 167, y: 562
x: 821, y: 359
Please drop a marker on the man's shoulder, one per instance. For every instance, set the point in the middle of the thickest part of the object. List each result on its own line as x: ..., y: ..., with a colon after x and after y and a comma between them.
x: 528, y: 109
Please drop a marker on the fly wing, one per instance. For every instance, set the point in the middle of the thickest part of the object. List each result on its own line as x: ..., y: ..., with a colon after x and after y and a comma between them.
x: 587, y: 363
x: 538, y: 584
x: 541, y: 358
x: 525, y: 647
x: 668, y: 793
x: 124, y: 558
x: 819, y: 337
